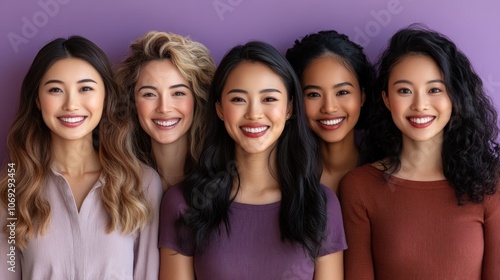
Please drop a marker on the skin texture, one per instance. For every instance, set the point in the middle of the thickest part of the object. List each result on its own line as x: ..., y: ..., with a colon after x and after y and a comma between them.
x: 416, y: 93
x: 254, y: 98
x: 333, y: 101
x: 331, y: 94
x: 71, y: 99
x: 164, y: 102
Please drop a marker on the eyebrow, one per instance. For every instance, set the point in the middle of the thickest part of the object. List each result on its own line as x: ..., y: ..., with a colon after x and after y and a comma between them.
x: 334, y: 86
x: 410, y: 83
x: 266, y: 90
x: 61, y: 82
x: 171, y: 87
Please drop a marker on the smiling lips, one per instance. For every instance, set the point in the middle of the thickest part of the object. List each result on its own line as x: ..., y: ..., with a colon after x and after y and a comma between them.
x: 331, y: 124
x: 167, y: 123
x: 254, y: 131
x: 421, y: 122
x: 72, y: 121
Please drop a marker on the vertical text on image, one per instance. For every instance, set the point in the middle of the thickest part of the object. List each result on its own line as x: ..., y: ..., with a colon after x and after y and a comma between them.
x: 11, y: 216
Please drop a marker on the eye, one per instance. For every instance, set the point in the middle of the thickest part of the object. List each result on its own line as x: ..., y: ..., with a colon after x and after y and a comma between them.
x: 404, y: 91
x: 270, y: 99
x: 86, y: 89
x: 313, y: 94
x: 148, y: 94
x: 237, y: 99
x: 342, y: 92
x: 179, y: 93
x: 435, y: 90
x: 55, y: 90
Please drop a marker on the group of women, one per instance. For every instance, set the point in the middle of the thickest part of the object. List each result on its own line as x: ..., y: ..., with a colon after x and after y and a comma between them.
x: 234, y: 172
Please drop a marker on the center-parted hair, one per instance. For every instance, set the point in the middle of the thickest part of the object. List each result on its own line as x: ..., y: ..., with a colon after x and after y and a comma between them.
x: 470, y: 152
x: 208, y: 191
x: 29, y: 146
x: 350, y: 54
x: 195, y: 64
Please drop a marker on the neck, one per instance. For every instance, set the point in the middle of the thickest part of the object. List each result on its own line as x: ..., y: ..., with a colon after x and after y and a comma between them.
x: 74, y: 157
x: 170, y: 160
x: 421, y: 161
x: 257, y: 183
x: 342, y: 155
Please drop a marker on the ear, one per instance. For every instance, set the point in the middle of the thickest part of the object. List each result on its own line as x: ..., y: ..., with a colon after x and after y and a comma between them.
x: 289, y: 109
x: 37, y: 101
x: 218, y: 108
x: 385, y: 97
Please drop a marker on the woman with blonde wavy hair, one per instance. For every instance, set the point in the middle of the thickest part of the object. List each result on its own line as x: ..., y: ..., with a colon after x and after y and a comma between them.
x: 167, y: 77
x: 78, y: 204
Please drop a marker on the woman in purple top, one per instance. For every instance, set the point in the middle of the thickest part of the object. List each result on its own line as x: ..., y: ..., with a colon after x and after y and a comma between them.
x: 255, y: 208
x: 77, y: 203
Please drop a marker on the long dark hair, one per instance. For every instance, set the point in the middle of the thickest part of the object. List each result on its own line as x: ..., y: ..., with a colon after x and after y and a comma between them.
x: 330, y: 42
x: 208, y: 191
x: 470, y: 152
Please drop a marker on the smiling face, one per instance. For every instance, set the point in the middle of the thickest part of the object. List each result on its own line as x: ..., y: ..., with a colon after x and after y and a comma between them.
x: 164, y: 102
x: 71, y: 99
x: 254, y: 107
x: 418, y: 99
x: 332, y: 98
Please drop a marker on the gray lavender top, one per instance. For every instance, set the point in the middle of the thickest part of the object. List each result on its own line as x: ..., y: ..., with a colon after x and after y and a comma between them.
x: 76, y: 245
x: 254, y: 249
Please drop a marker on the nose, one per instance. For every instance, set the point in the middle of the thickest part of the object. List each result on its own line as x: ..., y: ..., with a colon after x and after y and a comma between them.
x: 164, y: 103
x: 420, y: 101
x: 330, y: 104
x: 254, y: 110
x: 71, y: 102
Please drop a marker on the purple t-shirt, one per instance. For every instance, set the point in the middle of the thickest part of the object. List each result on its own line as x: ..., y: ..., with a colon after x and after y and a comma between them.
x: 253, y: 249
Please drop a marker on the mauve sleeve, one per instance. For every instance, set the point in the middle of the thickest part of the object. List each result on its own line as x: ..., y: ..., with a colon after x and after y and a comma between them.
x: 335, y: 237
x: 173, y: 206
x: 146, y: 255
x: 10, y: 261
x: 491, y: 258
x: 358, y: 262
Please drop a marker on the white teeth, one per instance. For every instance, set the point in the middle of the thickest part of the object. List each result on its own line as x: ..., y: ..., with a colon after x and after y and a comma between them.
x: 421, y: 120
x: 166, y: 123
x: 254, y: 129
x: 331, y: 122
x: 72, y: 120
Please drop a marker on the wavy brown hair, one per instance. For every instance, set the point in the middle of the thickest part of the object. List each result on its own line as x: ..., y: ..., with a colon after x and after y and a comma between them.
x: 29, y: 146
x: 194, y: 63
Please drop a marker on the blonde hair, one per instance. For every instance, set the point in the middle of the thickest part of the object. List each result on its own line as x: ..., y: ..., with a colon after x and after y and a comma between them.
x: 194, y: 63
x: 29, y: 145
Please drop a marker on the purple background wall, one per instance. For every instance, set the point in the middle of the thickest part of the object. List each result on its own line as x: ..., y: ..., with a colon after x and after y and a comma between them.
x: 220, y: 24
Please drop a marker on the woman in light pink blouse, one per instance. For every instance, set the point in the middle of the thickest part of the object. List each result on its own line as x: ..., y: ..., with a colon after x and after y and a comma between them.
x: 77, y: 203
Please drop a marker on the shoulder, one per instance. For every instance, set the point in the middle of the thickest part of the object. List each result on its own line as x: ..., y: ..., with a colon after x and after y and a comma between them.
x: 364, y: 173
x: 151, y: 182
x: 173, y: 201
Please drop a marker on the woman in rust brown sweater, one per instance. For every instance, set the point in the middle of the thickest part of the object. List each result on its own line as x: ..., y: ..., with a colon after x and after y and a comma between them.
x: 429, y: 205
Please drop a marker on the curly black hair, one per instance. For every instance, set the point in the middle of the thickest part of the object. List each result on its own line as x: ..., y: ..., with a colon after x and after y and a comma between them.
x: 470, y: 152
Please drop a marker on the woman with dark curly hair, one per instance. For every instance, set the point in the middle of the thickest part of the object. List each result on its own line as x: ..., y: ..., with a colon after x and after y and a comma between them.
x: 336, y: 79
x: 255, y: 208
x: 429, y: 205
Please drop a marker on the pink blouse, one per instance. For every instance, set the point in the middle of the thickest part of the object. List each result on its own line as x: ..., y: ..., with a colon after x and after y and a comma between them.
x: 76, y: 245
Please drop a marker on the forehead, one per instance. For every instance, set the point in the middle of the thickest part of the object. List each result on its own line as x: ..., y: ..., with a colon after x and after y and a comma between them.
x: 71, y: 69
